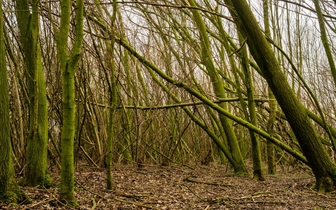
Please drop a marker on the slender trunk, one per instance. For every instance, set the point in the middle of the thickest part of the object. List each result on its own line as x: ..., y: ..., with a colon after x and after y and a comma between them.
x: 68, y: 68
x: 110, y: 133
x: 219, y: 91
x: 325, y: 42
x: 128, y: 113
x: 271, y: 165
x: 249, y: 109
x: 255, y: 143
x: 272, y: 103
x: 113, y: 98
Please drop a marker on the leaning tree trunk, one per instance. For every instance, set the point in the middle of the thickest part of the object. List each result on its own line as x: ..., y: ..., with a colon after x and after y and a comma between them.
x: 239, y: 164
x: 9, y: 190
x: 68, y: 68
x: 36, y: 155
x: 324, y: 39
x: 321, y: 164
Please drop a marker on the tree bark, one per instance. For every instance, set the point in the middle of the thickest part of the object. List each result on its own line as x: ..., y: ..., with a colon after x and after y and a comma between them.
x: 325, y: 42
x: 271, y: 165
x: 113, y: 101
x: 255, y: 143
x: 239, y: 165
x: 36, y: 155
x: 323, y: 167
x: 9, y: 190
x: 68, y: 68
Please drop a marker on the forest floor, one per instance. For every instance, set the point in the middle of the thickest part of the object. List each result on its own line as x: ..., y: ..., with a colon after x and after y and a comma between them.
x: 181, y: 187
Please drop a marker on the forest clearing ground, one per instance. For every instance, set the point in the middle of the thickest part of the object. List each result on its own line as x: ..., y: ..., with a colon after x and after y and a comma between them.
x: 179, y: 187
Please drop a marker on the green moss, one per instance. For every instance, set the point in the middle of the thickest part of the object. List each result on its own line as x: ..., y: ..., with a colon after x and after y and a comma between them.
x: 9, y: 197
x: 333, y: 175
x: 70, y: 202
x: 48, y: 182
x: 324, y: 184
x: 14, y: 197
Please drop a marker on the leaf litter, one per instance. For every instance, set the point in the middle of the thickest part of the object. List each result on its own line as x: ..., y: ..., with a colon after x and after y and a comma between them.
x: 181, y: 187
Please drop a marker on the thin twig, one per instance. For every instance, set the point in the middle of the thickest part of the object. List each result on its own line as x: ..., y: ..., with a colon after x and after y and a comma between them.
x: 39, y: 203
x: 207, y: 183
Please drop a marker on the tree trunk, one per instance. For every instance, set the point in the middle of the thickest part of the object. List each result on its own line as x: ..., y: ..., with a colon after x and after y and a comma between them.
x: 321, y: 164
x: 219, y: 91
x: 325, y: 42
x: 36, y: 155
x: 272, y: 103
x: 9, y: 190
x: 255, y: 143
x: 113, y: 100
x: 68, y: 67
x: 271, y: 165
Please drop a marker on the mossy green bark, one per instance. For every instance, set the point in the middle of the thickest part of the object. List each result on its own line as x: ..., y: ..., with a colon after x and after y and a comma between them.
x: 325, y: 41
x: 218, y: 87
x: 36, y: 154
x: 113, y: 100
x: 271, y: 165
x: 321, y: 164
x: 9, y: 189
x: 255, y: 143
x: 68, y: 68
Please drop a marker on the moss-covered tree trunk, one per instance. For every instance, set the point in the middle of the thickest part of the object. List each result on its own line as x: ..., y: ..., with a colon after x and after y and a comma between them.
x: 271, y: 164
x: 218, y: 87
x: 112, y: 91
x: 113, y: 106
x: 36, y: 155
x: 255, y: 143
x: 323, y: 167
x: 272, y: 103
x: 68, y: 68
x: 113, y: 101
x: 9, y: 190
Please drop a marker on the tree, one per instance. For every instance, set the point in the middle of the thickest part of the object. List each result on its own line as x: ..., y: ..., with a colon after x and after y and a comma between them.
x: 68, y: 67
x: 323, y: 167
x: 114, y: 101
x: 255, y: 144
x: 272, y: 103
x: 218, y: 87
x: 36, y: 154
x: 325, y: 42
x: 9, y: 190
